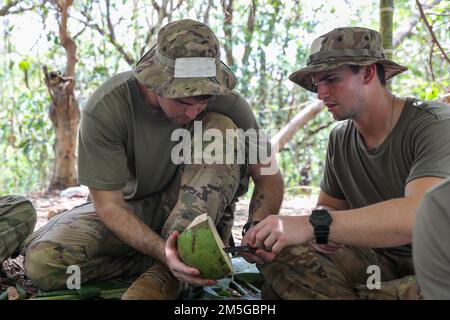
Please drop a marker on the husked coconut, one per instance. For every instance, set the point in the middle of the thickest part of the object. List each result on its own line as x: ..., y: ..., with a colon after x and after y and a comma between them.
x: 200, y: 246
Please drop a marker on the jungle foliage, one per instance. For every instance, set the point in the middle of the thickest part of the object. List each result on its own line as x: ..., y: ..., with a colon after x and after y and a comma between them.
x: 263, y: 41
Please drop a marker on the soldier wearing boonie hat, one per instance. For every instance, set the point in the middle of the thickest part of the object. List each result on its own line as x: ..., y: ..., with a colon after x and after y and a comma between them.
x: 356, y: 244
x: 344, y: 46
x: 185, y: 62
x: 140, y: 194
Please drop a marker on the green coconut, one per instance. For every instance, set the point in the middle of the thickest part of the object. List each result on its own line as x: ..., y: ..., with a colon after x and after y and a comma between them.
x: 200, y: 246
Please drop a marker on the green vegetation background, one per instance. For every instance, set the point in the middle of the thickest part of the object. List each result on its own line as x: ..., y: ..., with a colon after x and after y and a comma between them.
x: 265, y: 46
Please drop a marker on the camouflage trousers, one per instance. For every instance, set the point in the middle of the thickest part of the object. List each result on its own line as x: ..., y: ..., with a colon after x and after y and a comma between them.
x: 17, y: 221
x: 299, y: 272
x: 78, y: 237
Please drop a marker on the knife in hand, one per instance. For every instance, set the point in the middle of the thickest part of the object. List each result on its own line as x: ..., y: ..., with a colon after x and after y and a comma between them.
x: 239, y: 249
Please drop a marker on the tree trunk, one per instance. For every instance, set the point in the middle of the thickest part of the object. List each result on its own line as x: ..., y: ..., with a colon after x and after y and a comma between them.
x: 65, y: 116
x: 286, y: 134
x: 386, y: 25
x: 64, y: 111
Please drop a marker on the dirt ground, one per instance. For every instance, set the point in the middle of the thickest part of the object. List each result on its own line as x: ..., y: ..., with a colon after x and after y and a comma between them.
x: 48, y: 205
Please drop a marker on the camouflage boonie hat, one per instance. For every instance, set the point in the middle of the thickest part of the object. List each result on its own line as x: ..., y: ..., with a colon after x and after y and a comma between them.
x: 342, y: 46
x: 185, y: 62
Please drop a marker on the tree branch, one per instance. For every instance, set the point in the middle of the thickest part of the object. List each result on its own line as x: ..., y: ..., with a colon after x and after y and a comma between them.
x: 402, y: 35
x: 80, y: 32
x: 5, y: 9
x: 207, y: 11
x: 250, y: 30
x: 289, y: 130
x: 227, y: 6
x: 320, y: 128
x: 162, y: 13
x: 431, y: 62
x: 110, y: 34
x: 65, y: 39
x: 430, y: 29
x: 180, y: 2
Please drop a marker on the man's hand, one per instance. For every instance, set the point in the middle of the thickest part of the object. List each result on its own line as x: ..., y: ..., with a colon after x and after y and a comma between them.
x: 328, y: 248
x: 274, y: 233
x: 180, y: 270
x: 260, y: 256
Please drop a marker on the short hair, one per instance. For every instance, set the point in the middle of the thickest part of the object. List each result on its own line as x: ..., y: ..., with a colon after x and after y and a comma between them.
x: 203, y: 98
x: 380, y: 71
x: 200, y: 99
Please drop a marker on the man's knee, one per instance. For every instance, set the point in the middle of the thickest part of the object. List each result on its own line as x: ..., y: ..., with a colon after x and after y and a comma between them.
x: 17, y: 221
x: 300, y: 273
x: 216, y: 176
x: 45, y: 265
x: 405, y: 288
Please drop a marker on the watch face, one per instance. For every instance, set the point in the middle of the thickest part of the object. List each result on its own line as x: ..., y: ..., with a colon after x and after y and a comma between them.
x: 320, y: 218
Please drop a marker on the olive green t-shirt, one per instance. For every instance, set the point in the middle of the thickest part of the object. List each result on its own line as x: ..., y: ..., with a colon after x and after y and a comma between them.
x: 125, y: 144
x: 418, y: 146
x: 431, y: 243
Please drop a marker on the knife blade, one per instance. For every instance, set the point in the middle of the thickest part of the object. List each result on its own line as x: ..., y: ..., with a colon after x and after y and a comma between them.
x: 239, y: 249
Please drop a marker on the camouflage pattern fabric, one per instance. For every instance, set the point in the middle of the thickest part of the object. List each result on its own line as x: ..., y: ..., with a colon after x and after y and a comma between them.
x: 343, y: 46
x: 17, y: 221
x: 299, y: 272
x: 78, y: 237
x: 183, y: 39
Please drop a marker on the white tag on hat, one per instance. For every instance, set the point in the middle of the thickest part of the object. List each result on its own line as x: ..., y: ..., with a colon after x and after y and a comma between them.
x: 195, y: 67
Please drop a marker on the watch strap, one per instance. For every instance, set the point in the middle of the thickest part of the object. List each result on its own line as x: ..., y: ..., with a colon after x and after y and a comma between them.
x: 321, y: 233
x: 248, y: 225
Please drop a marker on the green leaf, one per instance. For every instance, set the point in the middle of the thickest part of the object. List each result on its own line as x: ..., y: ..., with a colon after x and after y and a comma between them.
x: 24, y: 65
x: 87, y: 292
x: 21, y: 291
x: 112, y: 289
x: 4, y: 295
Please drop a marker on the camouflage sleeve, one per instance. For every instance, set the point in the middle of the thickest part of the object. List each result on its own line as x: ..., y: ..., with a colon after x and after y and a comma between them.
x: 206, y: 188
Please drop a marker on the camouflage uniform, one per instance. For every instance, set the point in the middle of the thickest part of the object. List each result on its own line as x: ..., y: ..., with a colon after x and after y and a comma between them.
x: 302, y: 273
x: 17, y: 221
x: 299, y: 272
x: 78, y: 237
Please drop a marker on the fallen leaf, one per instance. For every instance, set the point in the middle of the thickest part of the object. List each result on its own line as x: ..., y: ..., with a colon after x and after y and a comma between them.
x: 51, y: 214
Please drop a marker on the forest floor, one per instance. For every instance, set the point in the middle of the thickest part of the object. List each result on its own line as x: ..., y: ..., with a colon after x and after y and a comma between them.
x: 50, y: 204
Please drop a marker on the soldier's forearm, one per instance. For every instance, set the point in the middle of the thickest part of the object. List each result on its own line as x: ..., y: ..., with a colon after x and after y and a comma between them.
x: 384, y: 224
x: 130, y: 229
x: 267, y: 197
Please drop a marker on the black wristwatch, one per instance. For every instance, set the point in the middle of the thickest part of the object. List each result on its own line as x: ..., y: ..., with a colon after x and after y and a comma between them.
x: 321, y: 220
x: 247, y: 226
